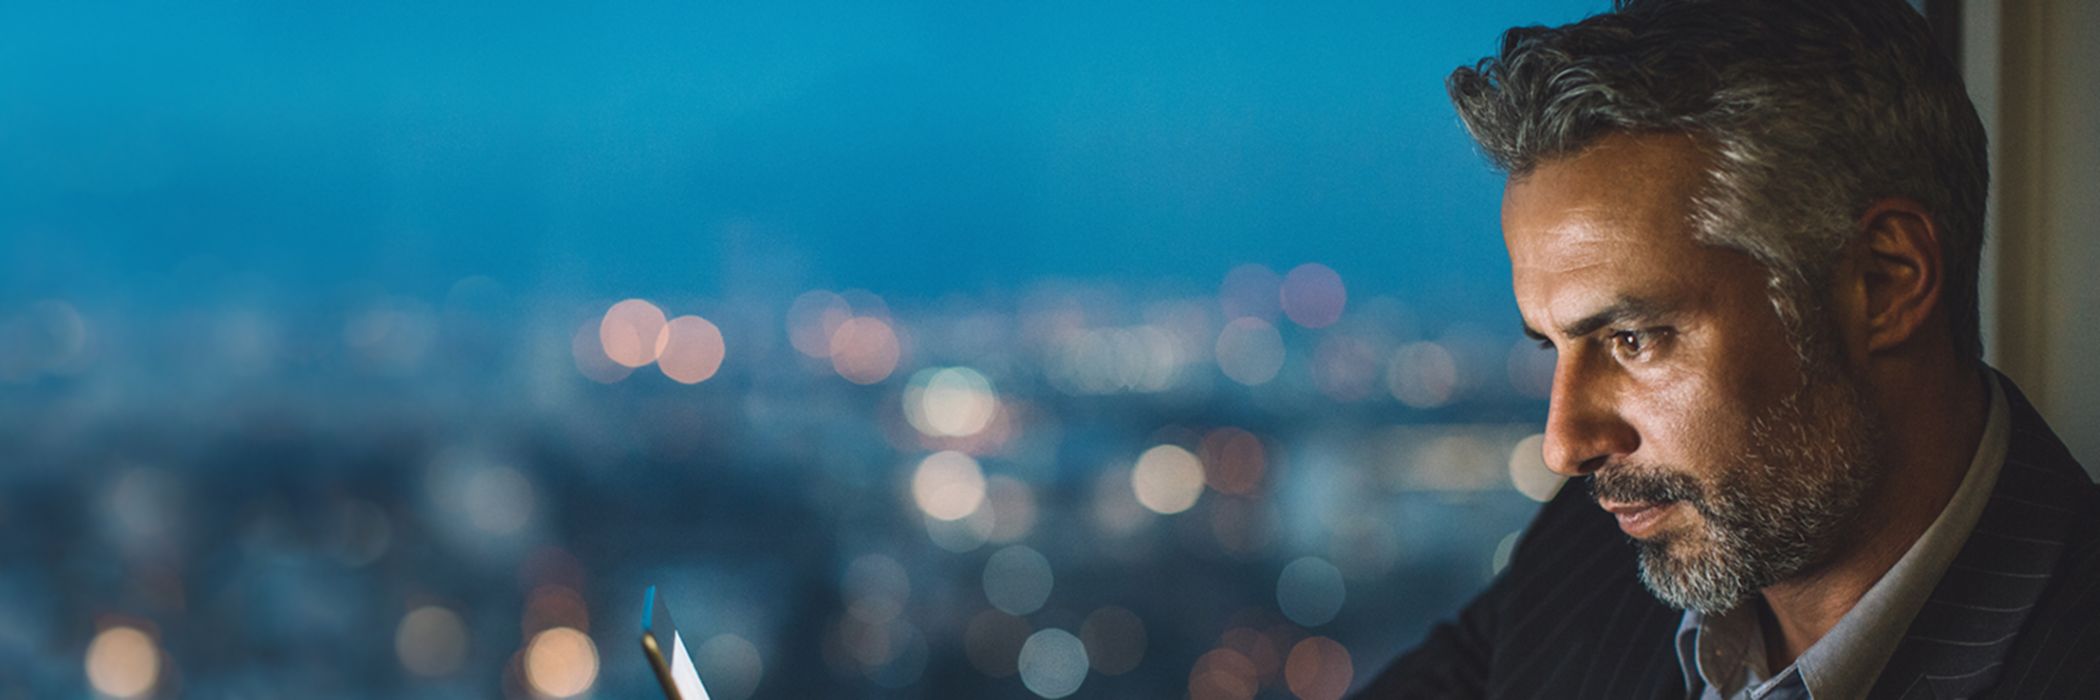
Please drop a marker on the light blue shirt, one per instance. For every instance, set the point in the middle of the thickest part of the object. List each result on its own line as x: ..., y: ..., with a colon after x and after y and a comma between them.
x: 1725, y: 652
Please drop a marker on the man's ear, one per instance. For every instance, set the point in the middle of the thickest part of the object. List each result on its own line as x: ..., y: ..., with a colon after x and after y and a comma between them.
x: 1901, y: 272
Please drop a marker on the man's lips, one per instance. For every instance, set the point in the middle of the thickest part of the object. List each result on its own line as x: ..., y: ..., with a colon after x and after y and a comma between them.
x: 1638, y: 519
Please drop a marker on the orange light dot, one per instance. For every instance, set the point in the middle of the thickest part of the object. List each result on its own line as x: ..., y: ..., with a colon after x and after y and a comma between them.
x: 864, y: 350
x: 1319, y: 669
x: 561, y: 663
x: 1223, y: 674
x: 632, y: 332
x: 692, y: 350
x: 123, y: 662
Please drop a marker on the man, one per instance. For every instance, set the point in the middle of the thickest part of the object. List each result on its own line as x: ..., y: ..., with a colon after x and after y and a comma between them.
x: 1750, y: 229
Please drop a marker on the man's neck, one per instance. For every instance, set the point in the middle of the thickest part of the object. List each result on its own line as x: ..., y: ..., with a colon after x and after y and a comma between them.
x: 1933, y: 436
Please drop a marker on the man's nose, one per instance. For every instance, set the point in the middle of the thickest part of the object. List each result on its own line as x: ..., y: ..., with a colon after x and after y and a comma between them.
x: 1583, y: 426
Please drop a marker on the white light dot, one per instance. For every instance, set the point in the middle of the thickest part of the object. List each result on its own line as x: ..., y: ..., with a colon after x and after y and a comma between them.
x: 498, y: 500
x: 1168, y: 479
x: 1527, y: 469
x: 1017, y: 580
x: 1310, y: 591
x: 692, y: 350
x: 561, y: 662
x: 1250, y: 351
x: 1313, y: 295
x: 1250, y: 291
x: 632, y: 332
x: 123, y: 662
x: 1053, y: 663
x: 948, y: 485
x: 431, y: 641
x: 950, y: 402
x: 731, y: 665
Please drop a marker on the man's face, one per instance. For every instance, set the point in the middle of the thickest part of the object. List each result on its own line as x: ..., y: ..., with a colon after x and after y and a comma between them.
x: 1678, y: 389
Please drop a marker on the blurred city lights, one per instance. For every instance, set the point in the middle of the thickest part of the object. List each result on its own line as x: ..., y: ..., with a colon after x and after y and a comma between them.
x: 1319, y: 669
x: 1223, y: 674
x: 1053, y: 663
x: 123, y: 662
x: 948, y: 485
x: 1250, y: 351
x: 950, y: 402
x: 1527, y: 469
x: 1167, y: 479
x: 993, y: 640
x: 964, y: 535
x: 691, y: 350
x: 554, y: 605
x: 1115, y: 640
x: 1310, y: 591
x: 393, y: 336
x: 813, y: 319
x: 865, y: 350
x: 1017, y: 580
x: 1233, y: 461
x: 589, y: 353
x: 1116, y: 508
x: 731, y: 665
x: 1264, y: 652
x: 1250, y: 291
x: 1313, y: 296
x: 1422, y: 375
x: 632, y: 332
x: 431, y: 641
x: 561, y: 663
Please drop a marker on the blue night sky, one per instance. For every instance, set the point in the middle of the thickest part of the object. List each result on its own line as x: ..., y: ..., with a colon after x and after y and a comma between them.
x: 714, y: 148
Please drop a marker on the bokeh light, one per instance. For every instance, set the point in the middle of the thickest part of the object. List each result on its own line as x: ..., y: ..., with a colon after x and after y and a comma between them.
x: 865, y: 350
x: 1168, y: 479
x: 1422, y: 375
x: 1115, y: 640
x: 589, y: 354
x: 731, y: 666
x: 1250, y: 351
x: 123, y: 662
x: 1250, y: 291
x: 561, y: 663
x: 431, y: 641
x: 1527, y: 469
x: 813, y: 319
x: 950, y: 402
x: 1313, y: 295
x: 1310, y: 591
x: 1011, y: 505
x: 1223, y: 674
x: 948, y: 485
x: 1018, y: 580
x: 1319, y: 669
x: 692, y: 350
x: 632, y: 332
x: 876, y: 588
x: 498, y: 499
x: 1233, y: 461
x: 1053, y: 663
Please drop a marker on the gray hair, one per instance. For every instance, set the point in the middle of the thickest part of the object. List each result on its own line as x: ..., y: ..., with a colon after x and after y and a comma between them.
x: 1810, y: 109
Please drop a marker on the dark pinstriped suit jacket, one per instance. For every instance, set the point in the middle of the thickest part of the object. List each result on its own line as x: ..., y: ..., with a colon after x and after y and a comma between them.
x: 2017, y: 614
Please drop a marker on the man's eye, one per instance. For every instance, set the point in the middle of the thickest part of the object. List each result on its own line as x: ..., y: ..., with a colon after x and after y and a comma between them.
x: 1629, y: 343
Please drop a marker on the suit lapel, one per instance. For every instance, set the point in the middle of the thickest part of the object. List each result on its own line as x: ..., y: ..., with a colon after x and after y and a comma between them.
x: 1957, y: 646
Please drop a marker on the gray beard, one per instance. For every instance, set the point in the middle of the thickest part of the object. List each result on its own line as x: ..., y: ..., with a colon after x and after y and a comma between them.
x: 1768, y: 516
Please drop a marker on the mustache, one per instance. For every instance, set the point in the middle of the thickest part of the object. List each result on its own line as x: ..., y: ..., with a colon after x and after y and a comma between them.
x: 1630, y: 484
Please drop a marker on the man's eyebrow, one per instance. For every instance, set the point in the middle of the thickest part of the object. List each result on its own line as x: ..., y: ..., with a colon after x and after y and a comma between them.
x: 1621, y: 310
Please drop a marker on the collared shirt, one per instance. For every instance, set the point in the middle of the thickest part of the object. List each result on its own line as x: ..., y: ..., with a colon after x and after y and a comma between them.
x: 1725, y: 653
